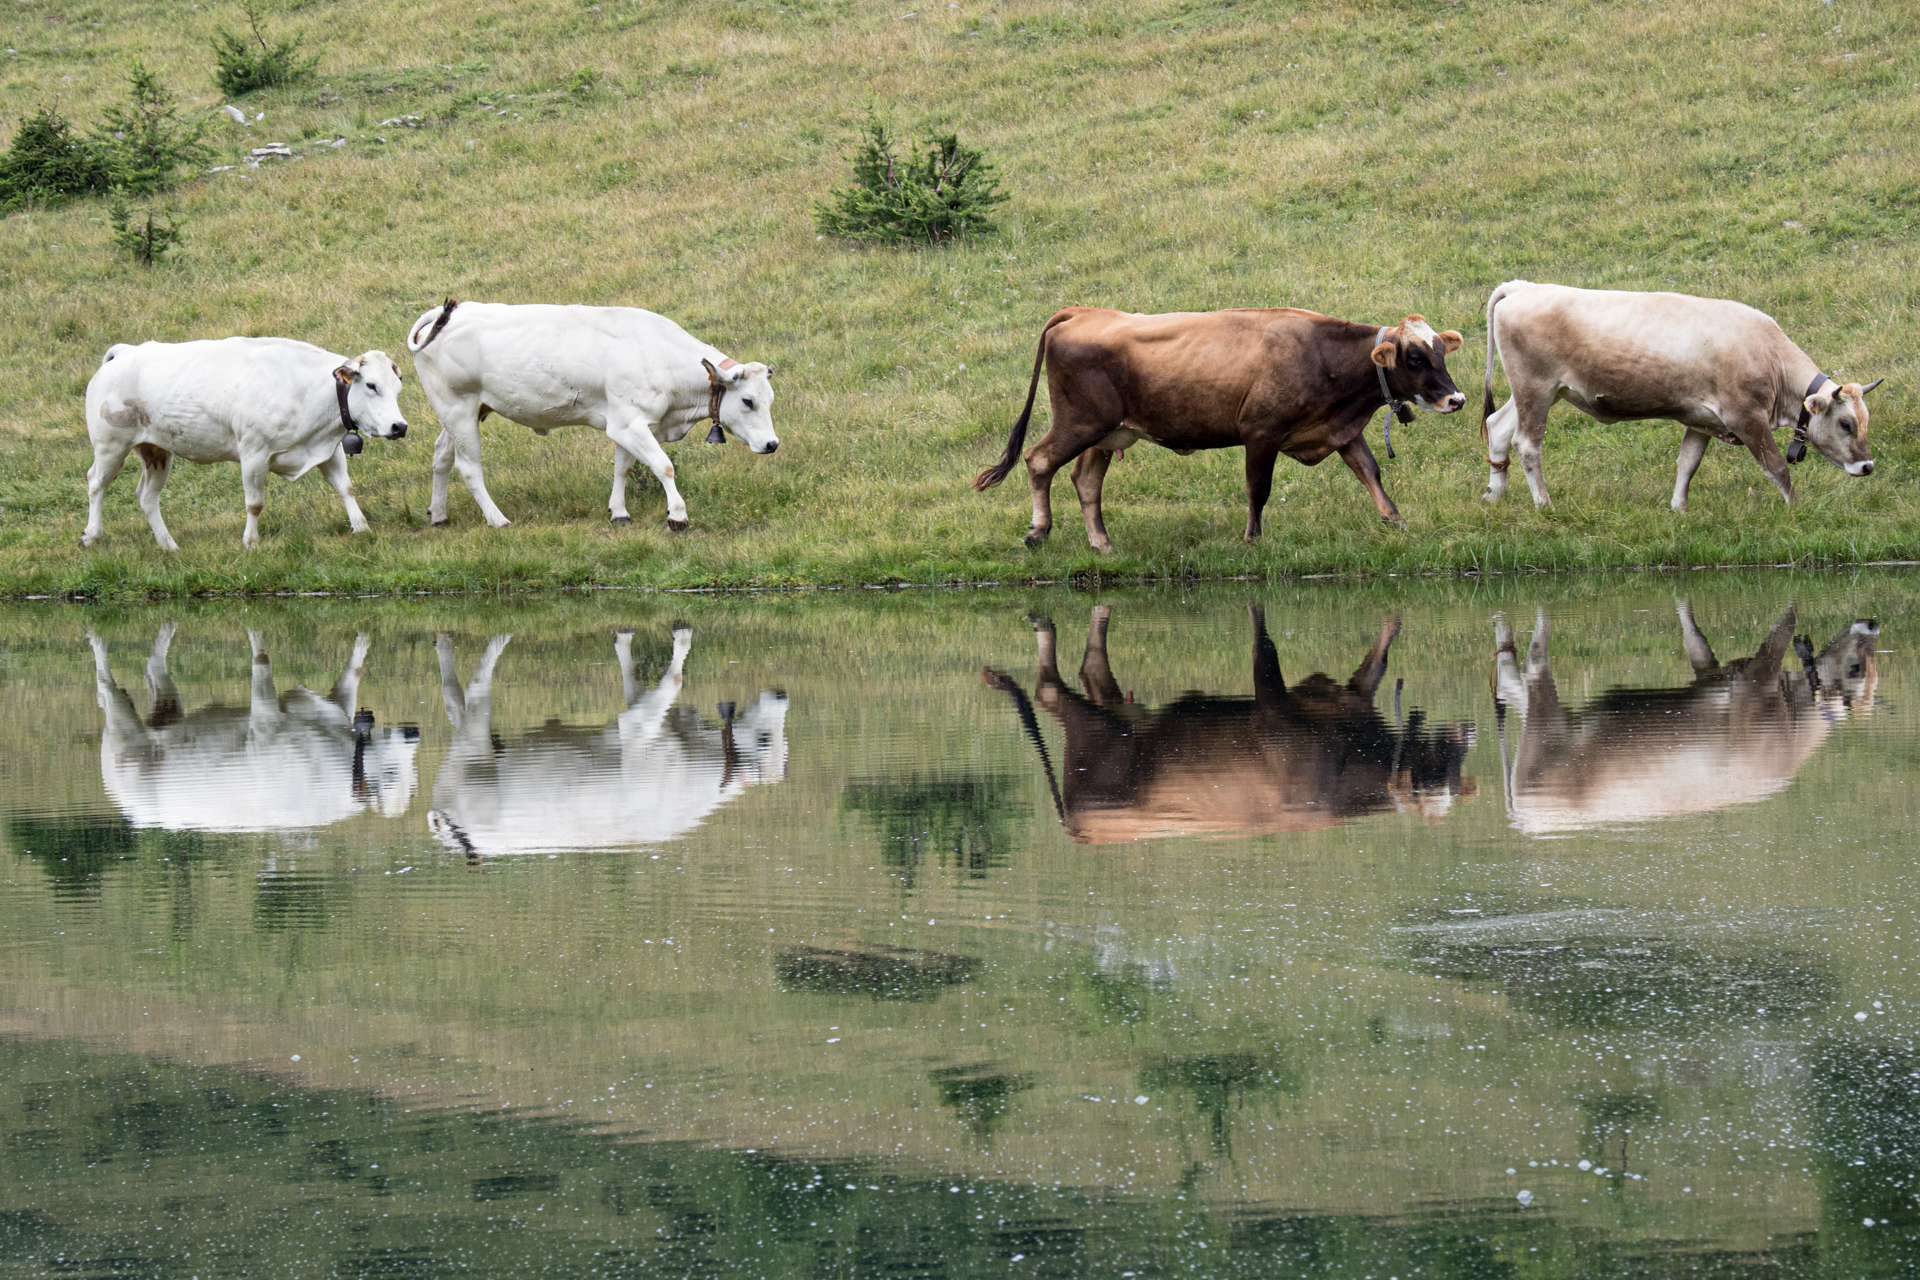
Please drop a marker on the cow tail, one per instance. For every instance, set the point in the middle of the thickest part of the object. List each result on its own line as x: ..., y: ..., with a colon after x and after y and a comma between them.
x: 994, y: 474
x: 1486, y: 400
x: 415, y: 343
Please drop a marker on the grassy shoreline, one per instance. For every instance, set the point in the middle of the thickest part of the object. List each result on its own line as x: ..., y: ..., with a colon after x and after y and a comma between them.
x: 1367, y: 160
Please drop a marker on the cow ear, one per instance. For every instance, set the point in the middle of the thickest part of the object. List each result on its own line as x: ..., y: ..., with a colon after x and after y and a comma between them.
x: 770, y: 374
x: 1451, y: 340
x: 713, y: 374
x: 348, y: 372
x: 1818, y: 403
x: 1386, y: 354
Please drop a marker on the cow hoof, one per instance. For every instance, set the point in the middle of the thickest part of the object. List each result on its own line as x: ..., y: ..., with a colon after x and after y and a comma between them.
x: 1035, y: 539
x: 622, y: 519
x: 439, y: 524
x: 679, y: 526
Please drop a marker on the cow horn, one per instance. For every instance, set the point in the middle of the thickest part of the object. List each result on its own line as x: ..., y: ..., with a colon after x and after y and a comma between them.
x: 1871, y: 385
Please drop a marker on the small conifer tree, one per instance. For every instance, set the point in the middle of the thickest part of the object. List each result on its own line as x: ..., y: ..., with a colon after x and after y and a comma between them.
x: 145, y: 141
x: 243, y: 63
x: 148, y: 237
x: 46, y: 162
x: 948, y: 192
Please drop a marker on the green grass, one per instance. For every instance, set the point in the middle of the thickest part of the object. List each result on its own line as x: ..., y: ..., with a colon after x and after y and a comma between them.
x: 1366, y: 160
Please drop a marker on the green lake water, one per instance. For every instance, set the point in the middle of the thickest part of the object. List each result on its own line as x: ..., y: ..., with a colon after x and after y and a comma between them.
x: 1523, y: 927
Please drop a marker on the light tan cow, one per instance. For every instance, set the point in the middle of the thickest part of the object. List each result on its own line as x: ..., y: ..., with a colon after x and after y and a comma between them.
x: 1721, y: 369
x: 1737, y: 734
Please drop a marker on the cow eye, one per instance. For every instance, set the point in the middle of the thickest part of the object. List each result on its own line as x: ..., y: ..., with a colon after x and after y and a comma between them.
x: 747, y: 405
x: 1414, y: 357
x: 1846, y: 426
x: 373, y: 389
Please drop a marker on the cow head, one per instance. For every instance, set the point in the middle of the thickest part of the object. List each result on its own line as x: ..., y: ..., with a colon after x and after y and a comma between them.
x: 1843, y: 674
x: 373, y: 395
x: 1837, y: 426
x: 1415, y: 360
x: 744, y: 397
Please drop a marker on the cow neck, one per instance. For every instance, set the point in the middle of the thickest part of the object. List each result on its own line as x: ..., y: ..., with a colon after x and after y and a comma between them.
x: 716, y: 391
x: 350, y: 442
x: 1396, y: 407
x: 1798, y: 449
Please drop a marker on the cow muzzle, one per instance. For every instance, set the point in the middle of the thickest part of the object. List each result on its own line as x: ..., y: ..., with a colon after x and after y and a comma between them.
x: 775, y: 444
x: 1452, y: 404
x: 398, y: 431
x: 1860, y: 468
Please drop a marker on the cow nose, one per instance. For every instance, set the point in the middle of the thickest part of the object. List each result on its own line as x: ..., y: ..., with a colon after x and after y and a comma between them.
x: 1455, y: 401
x: 1866, y: 468
x: 775, y: 444
x: 398, y: 431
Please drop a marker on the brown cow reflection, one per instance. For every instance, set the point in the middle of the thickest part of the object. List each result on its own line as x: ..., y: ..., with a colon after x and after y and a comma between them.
x: 1738, y: 733
x: 1286, y: 759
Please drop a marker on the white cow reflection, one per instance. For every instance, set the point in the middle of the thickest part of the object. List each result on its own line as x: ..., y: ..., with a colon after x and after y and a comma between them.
x: 1737, y: 734
x: 282, y: 761
x: 652, y: 774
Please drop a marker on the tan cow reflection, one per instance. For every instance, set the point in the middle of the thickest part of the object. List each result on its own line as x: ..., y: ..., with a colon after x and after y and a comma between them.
x: 282, y: 761
x: 1286, y: 759
x: 653, y: 773
x: 1737, y: 734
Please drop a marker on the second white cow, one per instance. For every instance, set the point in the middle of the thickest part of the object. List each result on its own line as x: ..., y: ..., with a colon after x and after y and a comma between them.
x: 635, y: 375
x: 273, y: 405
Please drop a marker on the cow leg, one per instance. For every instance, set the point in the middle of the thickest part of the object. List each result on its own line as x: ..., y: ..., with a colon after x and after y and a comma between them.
x: 637, y: 439
x: 1366, y: 677
x: 1699, y: 652
x: 1096, y: 677
x: 335, y: 470
x: 1359, y: 458
x: 123, y: 722
x: 346, y: 690
x: 253, y: 481
x: 107, y: 462
x: 1499, y: 445
x: 450, y: 694
x: 458, y: 448
x: 1260, y: 459
x: 166, y: 698
x: 156, y: 465
x: 1046, y: 665
x: 1693, y: 447
x: 1768, y: 456
x: 1269, y: 684
x: 617, y: 504
x: 263, y: 709
x: 1089, y: 473
x: 1530, y: 430
x: 646, y: 715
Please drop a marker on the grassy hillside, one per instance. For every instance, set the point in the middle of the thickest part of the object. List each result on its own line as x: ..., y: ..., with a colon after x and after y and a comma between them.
x: 1368, y: 160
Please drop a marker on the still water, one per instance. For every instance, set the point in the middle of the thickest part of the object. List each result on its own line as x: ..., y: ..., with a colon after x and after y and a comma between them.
x: 1532, y: 927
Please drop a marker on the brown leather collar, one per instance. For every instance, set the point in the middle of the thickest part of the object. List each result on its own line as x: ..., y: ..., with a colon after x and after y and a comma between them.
x: 1798, y: 449
x: 350, y: 443
x: 716, y: 391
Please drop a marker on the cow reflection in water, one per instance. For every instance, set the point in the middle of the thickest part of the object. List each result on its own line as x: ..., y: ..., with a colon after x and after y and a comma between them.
x: 652, y: 774
x: 282, y: 761
x: 1286, y: 759
x: 1738, y: 733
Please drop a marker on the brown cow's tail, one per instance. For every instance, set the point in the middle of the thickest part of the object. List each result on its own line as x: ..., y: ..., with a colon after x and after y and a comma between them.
x: 1486, y: 401
x: 999, y: 471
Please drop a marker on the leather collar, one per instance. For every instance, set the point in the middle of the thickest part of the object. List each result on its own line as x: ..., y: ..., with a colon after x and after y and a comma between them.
x: 1798, y: 449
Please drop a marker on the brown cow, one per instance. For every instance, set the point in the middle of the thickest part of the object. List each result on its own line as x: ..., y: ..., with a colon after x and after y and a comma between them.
x: 1720, y: 369
x: 1737, y: 734
x: 1285, y: 759
x: 1275, y: 381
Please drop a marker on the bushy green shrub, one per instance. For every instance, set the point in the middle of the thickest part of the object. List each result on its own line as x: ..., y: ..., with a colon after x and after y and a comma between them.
x: 243, y: 63
x: 948, y: 192
x: 147, y: 237
x: 47, y: 163
x: 145, y: 142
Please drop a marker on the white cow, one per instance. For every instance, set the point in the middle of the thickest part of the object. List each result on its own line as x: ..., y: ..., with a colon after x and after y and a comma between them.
x: 637, y: 376
x: 652, y: 774
x: 269, y: 404
x: 280, y: 762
